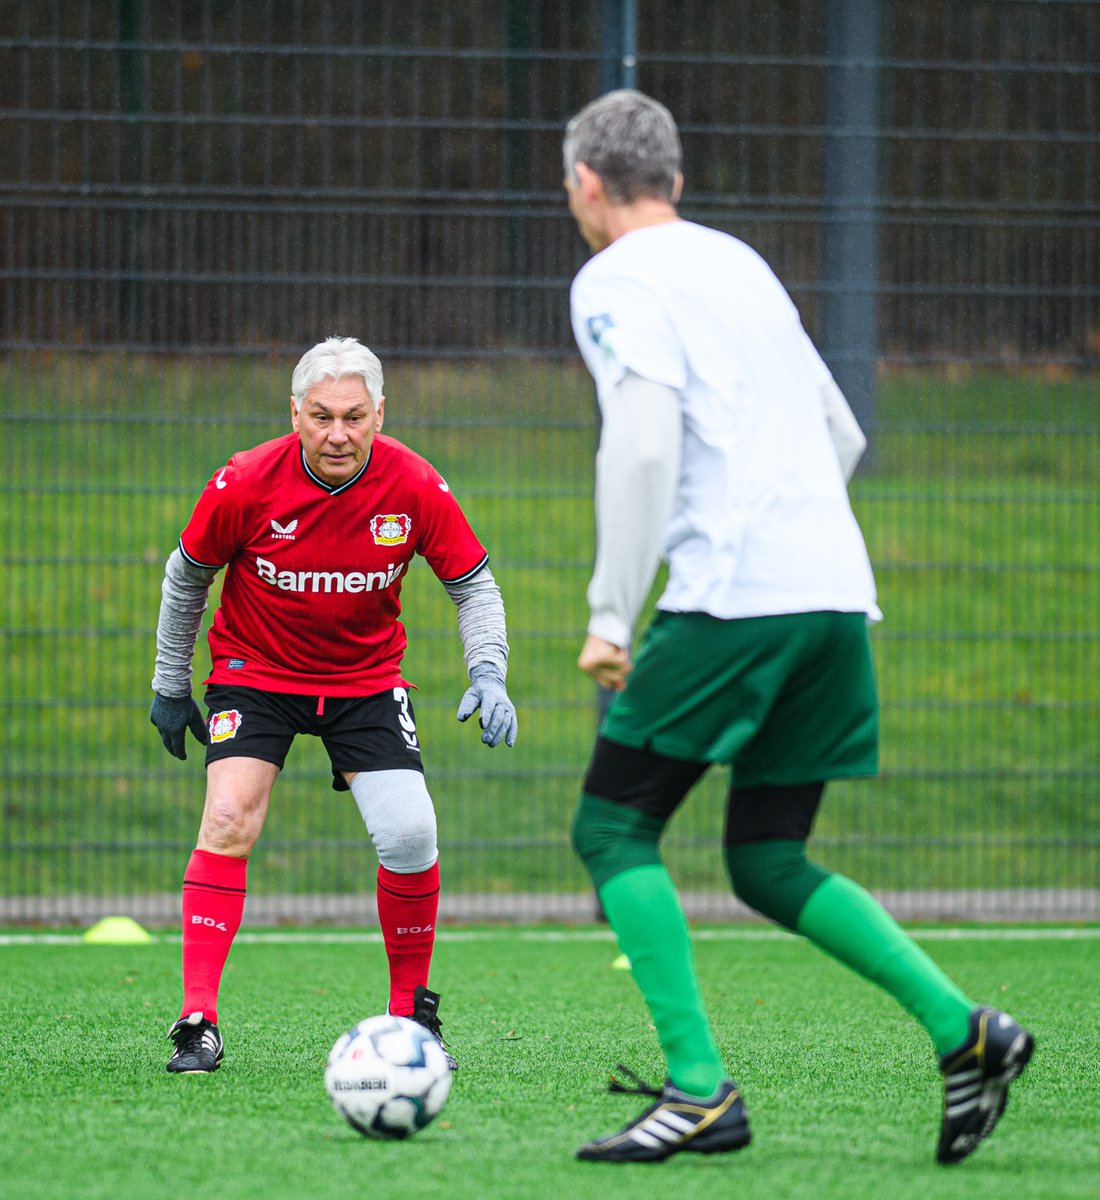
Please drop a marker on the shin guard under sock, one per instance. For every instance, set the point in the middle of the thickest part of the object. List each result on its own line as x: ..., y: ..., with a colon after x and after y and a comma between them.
x: 407, y: 910
x: 850, y: 924
x: 213, y: 904
x: 643, y: 908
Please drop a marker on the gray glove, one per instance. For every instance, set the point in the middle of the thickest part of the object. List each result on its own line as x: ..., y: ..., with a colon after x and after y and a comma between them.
x: 498, y: 714
x: 173, y: 716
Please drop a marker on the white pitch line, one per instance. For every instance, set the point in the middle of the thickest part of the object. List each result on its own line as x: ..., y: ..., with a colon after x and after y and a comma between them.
x: 365, y: 937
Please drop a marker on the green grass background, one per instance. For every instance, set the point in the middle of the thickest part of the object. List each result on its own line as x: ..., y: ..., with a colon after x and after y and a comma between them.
x: 981, y: 512
x: 841, y: 1085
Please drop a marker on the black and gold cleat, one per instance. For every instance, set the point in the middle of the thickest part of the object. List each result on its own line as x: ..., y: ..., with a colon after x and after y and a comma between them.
x: 676, y: 1122
x: 976, y: 1076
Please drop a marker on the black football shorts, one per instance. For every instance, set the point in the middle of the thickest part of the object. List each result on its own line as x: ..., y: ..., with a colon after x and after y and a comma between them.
x: 360, y: 733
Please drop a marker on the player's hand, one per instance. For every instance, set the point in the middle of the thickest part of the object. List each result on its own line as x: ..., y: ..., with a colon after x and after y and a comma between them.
x: 173, y: 716
x: 498, y: 714
x: 608, y: 664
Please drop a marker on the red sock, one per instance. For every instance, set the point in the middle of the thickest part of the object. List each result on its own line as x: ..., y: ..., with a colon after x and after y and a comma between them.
x: 407, y: 908
x: 213, y: 902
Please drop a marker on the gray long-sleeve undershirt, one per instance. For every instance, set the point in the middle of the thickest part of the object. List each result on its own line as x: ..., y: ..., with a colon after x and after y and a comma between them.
x: 481, y: 623
x: 186, y: 587
x: 182, y: 602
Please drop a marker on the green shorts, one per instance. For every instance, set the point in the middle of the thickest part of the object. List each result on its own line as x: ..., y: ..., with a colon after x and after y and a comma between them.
x: 784, y: 699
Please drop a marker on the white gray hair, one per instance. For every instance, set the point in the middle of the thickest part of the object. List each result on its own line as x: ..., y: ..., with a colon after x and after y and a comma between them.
x: 337, y: 358
x: 630, y: 140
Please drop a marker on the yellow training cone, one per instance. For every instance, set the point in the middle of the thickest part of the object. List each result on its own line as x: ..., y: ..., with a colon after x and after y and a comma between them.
x: 622, y: 963
x: 117, y: 931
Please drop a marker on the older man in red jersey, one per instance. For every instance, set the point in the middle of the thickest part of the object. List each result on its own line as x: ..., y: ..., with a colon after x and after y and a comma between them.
x: 316, y: 531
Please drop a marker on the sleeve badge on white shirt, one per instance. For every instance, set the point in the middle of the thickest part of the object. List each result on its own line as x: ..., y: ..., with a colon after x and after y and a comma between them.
x: 598, y: 326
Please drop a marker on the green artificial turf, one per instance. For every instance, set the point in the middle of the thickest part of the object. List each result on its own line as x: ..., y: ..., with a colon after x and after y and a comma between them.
x: 841, y: 1085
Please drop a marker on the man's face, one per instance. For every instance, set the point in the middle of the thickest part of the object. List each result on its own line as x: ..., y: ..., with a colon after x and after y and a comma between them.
x: 337, y: 424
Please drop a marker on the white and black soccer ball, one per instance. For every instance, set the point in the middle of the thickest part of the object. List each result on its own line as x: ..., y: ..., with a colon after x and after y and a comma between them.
x: 388, y: 1077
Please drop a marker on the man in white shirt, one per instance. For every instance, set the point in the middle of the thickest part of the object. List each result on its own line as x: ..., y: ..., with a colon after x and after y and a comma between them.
x: 725, y: 449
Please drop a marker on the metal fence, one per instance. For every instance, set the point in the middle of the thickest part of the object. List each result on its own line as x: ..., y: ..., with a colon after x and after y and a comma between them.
x: 194, y: 193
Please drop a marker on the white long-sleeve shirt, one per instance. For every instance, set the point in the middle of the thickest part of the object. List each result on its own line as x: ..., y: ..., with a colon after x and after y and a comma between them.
x: 746, y: 415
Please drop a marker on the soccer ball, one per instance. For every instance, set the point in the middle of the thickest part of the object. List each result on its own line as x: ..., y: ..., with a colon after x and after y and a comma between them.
x: 387, y: 1077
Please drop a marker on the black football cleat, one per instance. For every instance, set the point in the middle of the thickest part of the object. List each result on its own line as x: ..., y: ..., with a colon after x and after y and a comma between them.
x: 976, y: 1076
x: 676, y: 1122
x: 426, y: 1013
x: 199, y: 1046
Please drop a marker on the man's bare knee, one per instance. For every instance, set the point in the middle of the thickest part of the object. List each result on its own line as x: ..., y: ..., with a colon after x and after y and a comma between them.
x: 237, y: 795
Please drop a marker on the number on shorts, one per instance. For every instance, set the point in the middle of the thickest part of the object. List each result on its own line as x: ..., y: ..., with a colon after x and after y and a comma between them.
x: 405, y: 718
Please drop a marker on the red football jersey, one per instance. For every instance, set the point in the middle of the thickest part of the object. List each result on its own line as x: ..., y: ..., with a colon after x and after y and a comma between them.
x: 312, y: 591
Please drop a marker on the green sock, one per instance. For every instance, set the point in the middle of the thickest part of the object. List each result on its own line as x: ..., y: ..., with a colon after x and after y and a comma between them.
x: 644, y: 910
x: 851, y: 925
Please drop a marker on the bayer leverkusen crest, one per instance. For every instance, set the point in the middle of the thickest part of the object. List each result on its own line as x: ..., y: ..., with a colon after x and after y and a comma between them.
x: 390, y: 529
x: 224, y: 725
